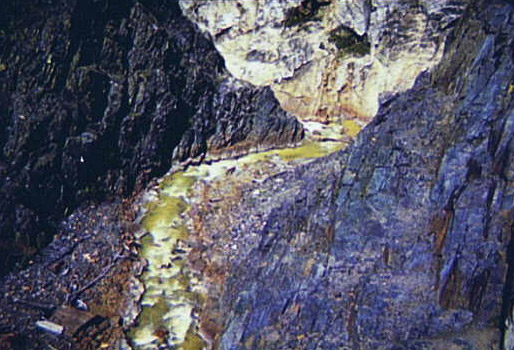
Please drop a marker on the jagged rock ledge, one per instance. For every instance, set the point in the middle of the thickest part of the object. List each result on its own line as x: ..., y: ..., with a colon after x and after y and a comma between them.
x: 328, y: 60
x: 99, y: 97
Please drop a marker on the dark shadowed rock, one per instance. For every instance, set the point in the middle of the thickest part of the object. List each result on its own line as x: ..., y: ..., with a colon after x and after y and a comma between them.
x: 95, y: 98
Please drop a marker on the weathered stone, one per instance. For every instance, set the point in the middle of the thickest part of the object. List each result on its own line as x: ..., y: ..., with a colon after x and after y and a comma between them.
x: 401, y: 241
x: 328, y: 59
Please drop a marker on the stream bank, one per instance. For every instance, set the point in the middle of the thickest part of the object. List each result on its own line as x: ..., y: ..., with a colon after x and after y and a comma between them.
x: 176, y: 289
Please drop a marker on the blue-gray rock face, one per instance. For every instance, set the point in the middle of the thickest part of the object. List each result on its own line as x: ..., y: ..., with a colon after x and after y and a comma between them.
x: 402, y: 241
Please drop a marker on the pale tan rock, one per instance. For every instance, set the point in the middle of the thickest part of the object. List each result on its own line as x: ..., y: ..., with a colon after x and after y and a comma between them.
x: 309, y: 74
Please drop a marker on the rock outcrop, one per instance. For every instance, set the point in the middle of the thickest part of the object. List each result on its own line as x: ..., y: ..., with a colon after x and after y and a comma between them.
x: 401, y: 241
x: 328, y: 59
x: 97, y: 97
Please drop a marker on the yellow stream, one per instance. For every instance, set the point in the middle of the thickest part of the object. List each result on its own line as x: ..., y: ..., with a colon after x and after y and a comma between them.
x: 171, y: 294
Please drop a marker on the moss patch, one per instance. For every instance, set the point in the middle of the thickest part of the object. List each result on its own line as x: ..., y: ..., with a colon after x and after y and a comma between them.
x: 305, y: 12
x: 146, y: 244
x: 193, y: 341
x: 154, y: 314
x: 178, y: 180
x: 348, y: 42
x: 309, y: 150
x: 164, y: 213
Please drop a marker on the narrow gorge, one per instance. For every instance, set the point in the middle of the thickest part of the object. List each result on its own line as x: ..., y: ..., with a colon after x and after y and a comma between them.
x: 258, y: 174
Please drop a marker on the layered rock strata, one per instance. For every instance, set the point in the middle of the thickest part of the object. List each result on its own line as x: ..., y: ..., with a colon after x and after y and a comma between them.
x: 97, y: 97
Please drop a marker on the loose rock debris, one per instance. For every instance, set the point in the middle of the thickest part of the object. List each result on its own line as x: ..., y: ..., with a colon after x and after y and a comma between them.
x: 72, y: 295
x: 50, y: 327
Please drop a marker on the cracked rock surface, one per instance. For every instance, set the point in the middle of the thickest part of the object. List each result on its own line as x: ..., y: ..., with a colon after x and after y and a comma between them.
x: 329, y: 59
x: 401, y: 241
x: 98, y: 97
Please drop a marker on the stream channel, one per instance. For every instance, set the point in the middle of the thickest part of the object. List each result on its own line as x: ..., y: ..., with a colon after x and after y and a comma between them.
x: 171, y: 294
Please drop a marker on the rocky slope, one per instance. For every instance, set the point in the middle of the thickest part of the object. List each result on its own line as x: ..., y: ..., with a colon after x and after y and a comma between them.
x: 97, y: 97
x: 328, y: 59
x: 87, y: 270
x: 402, y: 241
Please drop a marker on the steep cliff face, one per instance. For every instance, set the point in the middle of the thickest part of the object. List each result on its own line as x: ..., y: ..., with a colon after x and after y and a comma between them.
x: 97, y: 97
x: 402, y: 241
x: 327, y: 59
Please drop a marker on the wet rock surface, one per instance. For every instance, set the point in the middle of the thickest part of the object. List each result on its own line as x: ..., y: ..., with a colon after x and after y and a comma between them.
x: 98, y: 97
x: 402, y: 241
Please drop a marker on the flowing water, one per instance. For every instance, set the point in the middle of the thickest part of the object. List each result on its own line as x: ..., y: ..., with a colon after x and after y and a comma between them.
x: 172, y: 295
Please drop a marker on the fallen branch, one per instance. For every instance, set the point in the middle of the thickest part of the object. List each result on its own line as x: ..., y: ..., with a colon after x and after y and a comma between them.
x: 50, y: 327
x: 67, y: 251
x: 61, y: 255
x: 95, y: 280
x: 46, y: 308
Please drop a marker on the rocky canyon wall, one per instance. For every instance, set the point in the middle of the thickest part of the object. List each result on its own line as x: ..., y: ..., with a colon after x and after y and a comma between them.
x: 98, y: 97
x: 328, y: 59
x: 401, y: 241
